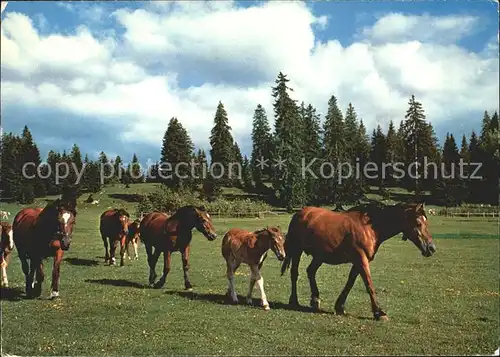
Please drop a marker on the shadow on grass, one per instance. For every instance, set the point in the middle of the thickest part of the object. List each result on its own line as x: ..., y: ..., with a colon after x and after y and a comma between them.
x: 12, y: 294
x: 128, y: 197
x: 82, y: 262
x: 224, y: 300
x: 117, y: 282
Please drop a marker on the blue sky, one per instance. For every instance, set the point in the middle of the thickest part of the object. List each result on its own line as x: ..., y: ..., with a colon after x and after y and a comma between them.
x: 109, y: 75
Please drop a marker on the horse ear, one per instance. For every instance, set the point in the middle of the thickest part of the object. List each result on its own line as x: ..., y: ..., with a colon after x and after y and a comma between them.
x: 420, y: 207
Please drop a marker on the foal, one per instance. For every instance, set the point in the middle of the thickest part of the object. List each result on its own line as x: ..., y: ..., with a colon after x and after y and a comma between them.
x: 134, y: 236
x: 241, y: 246
x: 6, y: 247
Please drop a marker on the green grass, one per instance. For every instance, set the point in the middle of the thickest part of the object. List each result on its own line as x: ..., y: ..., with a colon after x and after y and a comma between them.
x: 446, y: 304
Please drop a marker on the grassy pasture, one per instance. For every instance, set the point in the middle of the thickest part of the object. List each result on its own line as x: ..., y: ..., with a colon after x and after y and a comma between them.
x: 446, y: 304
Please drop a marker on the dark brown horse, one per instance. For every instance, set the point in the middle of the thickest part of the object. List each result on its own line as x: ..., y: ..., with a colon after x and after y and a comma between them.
x: 6, y: 247
x: 134, y: 237
x: 42, y: 233
x: 114, y: 227
x: 352, y: 237
x: 169, y: 234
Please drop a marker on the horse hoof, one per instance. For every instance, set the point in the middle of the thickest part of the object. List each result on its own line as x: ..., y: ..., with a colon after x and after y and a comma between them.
x: 266, y: 308
x: 340, y: 312
x: 249, y: 301
x: 381, y: 317
x: 293, y: 302
x: 54, y: 295
x: 190, y: 289
x: 315, y: 304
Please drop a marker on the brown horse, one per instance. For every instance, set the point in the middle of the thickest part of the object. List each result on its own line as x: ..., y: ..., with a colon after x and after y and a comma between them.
x: 169, y: 234
x: 134, y: 237
x: 6, y: 247
x: 114, y: 227
x: 240, y: 246
x: 42, y: 233
x: 352, y: 237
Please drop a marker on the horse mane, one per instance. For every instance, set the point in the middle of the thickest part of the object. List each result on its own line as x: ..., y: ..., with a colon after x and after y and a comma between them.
x: 121, y: 212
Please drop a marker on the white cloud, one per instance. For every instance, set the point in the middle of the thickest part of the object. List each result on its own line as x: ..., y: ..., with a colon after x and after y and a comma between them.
x: 396, y: 27
x: 109, y: 78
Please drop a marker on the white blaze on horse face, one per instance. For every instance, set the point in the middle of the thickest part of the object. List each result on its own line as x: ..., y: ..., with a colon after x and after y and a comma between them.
x: 65, y: 218
x: 11, y: 239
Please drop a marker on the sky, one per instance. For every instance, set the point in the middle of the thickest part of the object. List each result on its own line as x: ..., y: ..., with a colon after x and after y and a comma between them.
x: 108, y: 76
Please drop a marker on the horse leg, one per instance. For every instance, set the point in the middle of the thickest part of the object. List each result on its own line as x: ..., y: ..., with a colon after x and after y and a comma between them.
x: 106, y: 256
x: 294, y: 275
x: 40, y: 277
x: 185, y: 267
x: 122, y: 251
x: 112, y: 251
x: 55, y: 274
x: 152, y: 260
x: 311, y: 274
x: 339, y: 304
x: 26, y: 270
x: 136, y: 254
x: 232, y: 265
x: 250, y: 286
x: 3, y: 265
x: 35, y: 289
x: 166, y: 269
x: 260, y: 284
x: 366, y: 275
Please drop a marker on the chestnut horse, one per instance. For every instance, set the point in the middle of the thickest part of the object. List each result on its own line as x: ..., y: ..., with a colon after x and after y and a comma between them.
x: 6, y: 247
x: 352, y: 237
x: 134, y: 237
x: 169, y: 234
x: 114, y: 227
x: 241, y: 246
x: 42, y: 233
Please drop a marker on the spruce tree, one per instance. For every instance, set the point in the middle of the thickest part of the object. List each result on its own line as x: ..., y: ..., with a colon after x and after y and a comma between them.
x: 222, y: 148
x: 31, y: 184
x: 288, y: 147
x: 134, y: 168
x: 247, y: 175
x: 261, y: 148
x: 237, y: 167
x: 378, y: 154
x: 363, y: 152
x: 177, y: 148
x: 103, y: 164
x: 334, y: 151
x: 11, y: 177
x: 312, y: 150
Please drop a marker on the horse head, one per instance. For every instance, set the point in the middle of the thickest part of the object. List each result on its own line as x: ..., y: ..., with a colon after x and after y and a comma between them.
x: 276, y: 242
x: 416, y: 228
x: 124, y: 219
x: 203, y: 223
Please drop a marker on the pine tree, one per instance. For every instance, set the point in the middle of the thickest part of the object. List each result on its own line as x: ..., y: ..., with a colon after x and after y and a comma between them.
x: 247, y: 175
x: 261, y: 148
x: 312, y: 150
x: 490, y: 158
x: 287, y: 147
x: 419, y: 142
x: 31, y: 184
x: 379, y: 154
x: 104, y: 167
x: 118, y: 167
x: 237, y: 166
x: 450, y: 182
x: 177, y: 150
x: 222, y: 148
x: 334, y: 151
x: 351, y: 186
x: 363, y: 151
x: 11, y: 177
x: 135, y: 171
x: 76, y: 164
x: 200, y: 167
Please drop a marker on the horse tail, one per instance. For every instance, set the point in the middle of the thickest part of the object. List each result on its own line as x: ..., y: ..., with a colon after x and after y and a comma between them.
x: 286, y: 262
x: 291, y: 244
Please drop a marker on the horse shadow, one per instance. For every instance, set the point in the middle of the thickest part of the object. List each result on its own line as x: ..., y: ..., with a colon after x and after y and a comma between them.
x: 82, y: 262
x: 221, y: 299
x: 12, y: 294
x: 117, y: 282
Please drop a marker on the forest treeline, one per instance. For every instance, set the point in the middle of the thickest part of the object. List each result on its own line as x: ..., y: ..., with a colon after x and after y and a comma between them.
x: 299, y: 136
